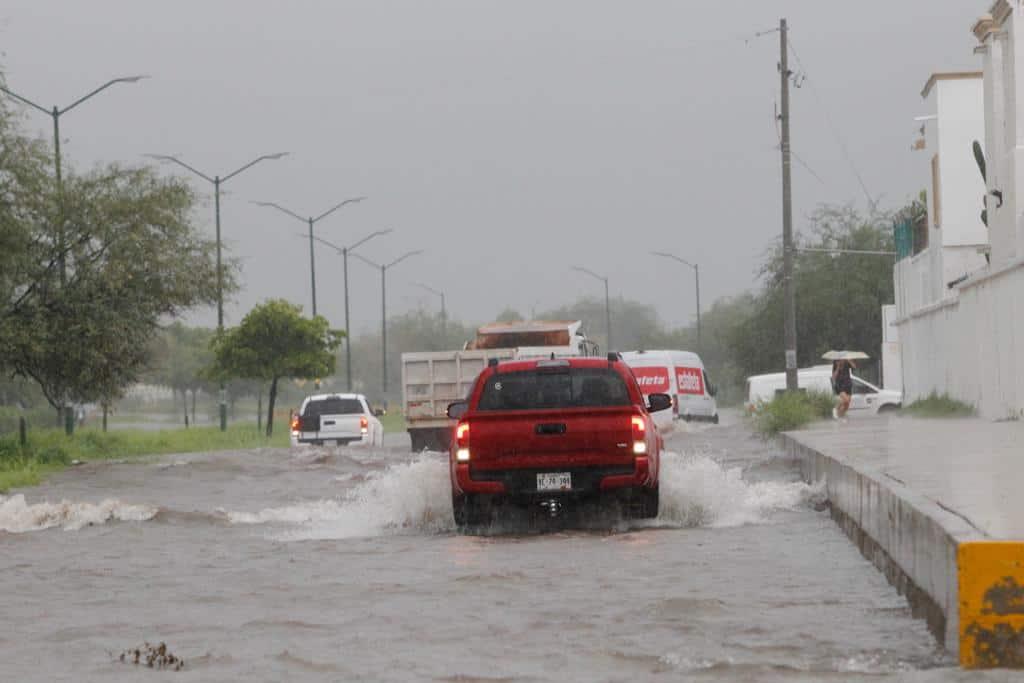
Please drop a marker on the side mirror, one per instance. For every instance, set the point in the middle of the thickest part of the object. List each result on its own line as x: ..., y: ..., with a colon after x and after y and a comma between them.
x: 457, y: 409
x: 658, y: 402
x: 712, y: 390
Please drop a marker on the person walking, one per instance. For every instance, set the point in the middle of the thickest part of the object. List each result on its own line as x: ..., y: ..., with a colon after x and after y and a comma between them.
x: 842, y: 385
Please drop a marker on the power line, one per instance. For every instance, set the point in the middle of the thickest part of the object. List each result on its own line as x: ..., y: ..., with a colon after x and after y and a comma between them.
x: 834, y: 129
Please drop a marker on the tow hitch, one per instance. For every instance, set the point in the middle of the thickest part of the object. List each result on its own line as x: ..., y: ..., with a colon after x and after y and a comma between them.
x: 553, y: 506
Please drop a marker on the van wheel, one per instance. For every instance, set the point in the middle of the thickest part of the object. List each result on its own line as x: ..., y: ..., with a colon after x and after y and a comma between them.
x: 715, y: 419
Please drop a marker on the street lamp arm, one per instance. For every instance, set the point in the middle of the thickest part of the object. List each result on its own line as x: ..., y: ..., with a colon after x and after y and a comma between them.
x: 369, y: 237
x: 281, y: 209
x: 590, y: 273
x: 125, y: 79
x: 255, y: 161
x: 366, y: 260
x: 321, y: 240
x: 164, y: 157
x: 26, y: 101
x: 334, y: 208
x: 428, y: 288
x: 403, y: 257
x: 673, y: 257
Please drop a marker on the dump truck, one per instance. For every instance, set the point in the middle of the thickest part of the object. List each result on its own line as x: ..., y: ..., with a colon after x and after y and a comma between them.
x: 431, y: 380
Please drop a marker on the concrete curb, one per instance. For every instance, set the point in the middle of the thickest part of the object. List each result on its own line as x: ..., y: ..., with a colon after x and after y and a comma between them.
x: 913, y: 540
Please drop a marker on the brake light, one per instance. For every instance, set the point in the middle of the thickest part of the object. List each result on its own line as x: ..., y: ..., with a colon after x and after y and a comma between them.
x: 639, y: 426
x: 296, y: 424
x: 364, y: 424
x: 462, y: 442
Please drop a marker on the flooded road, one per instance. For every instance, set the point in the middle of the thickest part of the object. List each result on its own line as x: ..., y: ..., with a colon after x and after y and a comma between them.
x: 344, y: 565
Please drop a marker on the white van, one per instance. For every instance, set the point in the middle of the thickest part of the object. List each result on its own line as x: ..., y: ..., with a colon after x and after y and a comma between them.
x: 866, y: 396
x: 680, y: 374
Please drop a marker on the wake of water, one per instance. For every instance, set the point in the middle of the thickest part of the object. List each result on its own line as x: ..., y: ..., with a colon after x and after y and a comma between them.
x: 415, y: 497
x: 17, y: 516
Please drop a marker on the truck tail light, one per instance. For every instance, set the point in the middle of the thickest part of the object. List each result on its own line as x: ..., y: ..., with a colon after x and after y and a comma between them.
x: 639, y: 427
x: 462, y: 442
x: 296, y: 423
x: 364, y: 424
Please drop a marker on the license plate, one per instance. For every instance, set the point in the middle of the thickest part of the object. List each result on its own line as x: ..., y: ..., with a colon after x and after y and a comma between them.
x: 554, y: 481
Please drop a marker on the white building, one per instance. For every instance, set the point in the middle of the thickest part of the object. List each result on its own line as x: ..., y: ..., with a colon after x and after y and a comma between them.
x: 960, y: 315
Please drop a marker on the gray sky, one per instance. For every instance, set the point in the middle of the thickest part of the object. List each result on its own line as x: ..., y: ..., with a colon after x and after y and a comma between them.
x: 510, y: 140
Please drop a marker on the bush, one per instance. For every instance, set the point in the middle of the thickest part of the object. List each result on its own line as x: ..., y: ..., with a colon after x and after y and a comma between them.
x: 789, y: 411
x: 939, y: 405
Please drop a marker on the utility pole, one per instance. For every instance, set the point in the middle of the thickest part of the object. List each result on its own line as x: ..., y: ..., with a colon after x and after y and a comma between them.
x: 787, y: 217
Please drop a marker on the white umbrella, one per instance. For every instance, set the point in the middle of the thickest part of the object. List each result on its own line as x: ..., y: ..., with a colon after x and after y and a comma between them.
x: 846, y: 355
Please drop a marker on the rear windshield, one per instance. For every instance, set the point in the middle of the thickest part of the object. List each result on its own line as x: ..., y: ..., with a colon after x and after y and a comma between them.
x: 333, y: 406
x: 567, y: 388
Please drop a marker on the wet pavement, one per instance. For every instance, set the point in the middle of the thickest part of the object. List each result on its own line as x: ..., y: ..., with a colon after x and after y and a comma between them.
x: 344, y: 565
x: 968, y: 466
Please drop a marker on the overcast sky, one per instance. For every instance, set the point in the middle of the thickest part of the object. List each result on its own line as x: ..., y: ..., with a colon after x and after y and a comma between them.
x: 510, y: 140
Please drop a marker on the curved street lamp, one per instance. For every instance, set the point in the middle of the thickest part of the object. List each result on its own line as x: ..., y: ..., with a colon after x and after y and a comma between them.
x: 383, y: 308
x: 607, y: 301
x: 217, y: 181
x: 311, y: 220
x: 55, y: 113
x: 696, y: 273
x: 345, y: 251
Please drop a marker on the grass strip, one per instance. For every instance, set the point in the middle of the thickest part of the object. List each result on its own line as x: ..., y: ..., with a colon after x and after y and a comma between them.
x: 789, y: 411
x: 939, y: 405
x: 50, y: 450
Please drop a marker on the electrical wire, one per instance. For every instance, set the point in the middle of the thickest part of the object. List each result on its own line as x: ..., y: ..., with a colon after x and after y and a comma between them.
x: 872, y: 203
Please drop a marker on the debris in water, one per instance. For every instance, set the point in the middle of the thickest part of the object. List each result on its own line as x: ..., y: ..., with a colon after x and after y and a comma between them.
x: 153, y: 656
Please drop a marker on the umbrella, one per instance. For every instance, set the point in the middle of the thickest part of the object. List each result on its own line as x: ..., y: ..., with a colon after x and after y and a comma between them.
x: 846, y: 355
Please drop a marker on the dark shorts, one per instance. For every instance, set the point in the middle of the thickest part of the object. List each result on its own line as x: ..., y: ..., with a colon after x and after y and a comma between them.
x: 844, y: 387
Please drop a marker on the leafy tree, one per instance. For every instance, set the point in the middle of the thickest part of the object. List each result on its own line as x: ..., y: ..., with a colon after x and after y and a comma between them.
x: 131, y: 255
x: 275, y: 341
x: 180, y: 356
x: 838, y: 295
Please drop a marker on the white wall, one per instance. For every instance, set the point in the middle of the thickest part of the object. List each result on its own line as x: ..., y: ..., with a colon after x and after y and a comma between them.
x: 970, y: 347
x: 961, y: 121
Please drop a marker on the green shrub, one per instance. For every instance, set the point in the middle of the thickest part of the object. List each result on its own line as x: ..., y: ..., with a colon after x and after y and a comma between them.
x: 939, y: 405
x: 789, y: 411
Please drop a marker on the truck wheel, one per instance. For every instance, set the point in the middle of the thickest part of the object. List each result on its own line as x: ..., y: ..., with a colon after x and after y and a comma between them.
x: 649, y: 502
x: 468, y: 511
x: 417, y: 441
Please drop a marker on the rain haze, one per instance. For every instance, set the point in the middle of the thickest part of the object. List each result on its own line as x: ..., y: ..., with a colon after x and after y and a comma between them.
x: 508, y: 140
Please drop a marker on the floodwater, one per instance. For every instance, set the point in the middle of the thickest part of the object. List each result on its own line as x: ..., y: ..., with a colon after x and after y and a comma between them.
x: 330, y: 564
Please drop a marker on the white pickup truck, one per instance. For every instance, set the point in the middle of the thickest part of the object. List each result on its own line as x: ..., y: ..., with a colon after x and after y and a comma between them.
x: 433, y: 379
x: 336, y: 419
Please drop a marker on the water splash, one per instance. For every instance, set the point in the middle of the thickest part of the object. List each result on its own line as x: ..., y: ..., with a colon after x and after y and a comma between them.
x: 17, y: 516
x: 415, y: 497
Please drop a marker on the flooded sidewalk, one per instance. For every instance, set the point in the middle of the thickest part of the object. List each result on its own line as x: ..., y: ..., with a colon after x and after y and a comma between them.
x: 936, y: 505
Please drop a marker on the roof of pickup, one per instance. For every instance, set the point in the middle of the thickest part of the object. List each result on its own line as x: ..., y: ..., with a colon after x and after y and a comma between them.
x: 321, y: 397
x: 574, y: 362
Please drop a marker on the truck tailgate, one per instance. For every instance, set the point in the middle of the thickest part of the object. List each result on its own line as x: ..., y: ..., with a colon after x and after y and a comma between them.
x: 541, y: 439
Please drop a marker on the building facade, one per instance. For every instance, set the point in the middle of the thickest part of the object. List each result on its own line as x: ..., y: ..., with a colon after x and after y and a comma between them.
x: 960, y: 300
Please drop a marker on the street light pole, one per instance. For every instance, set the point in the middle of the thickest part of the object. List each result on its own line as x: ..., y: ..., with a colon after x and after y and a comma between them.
x: 344, y: 251
x: 55, y: 113
x: 696, y: 274
x: 217, y: 181
x: 444, y: 313
x: 789, y: 290
x: 310, y: 221
x: 384, y: 310
x: 607, y: 301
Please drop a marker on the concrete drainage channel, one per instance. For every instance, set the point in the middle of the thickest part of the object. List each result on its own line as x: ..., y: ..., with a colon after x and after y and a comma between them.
x: 968, y: 586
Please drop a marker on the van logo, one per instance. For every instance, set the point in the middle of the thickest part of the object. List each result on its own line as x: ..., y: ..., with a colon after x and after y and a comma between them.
x: 652, y: 380
x: 690, y: 381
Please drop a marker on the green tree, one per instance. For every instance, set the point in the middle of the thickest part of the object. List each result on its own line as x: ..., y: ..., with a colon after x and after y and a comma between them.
x: 839, y: 296
x: 179, y: 358
x: 275, y: 341
x: 132, y: 257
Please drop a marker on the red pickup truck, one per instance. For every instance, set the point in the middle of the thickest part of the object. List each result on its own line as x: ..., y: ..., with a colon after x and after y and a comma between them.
x: 552, y: 432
